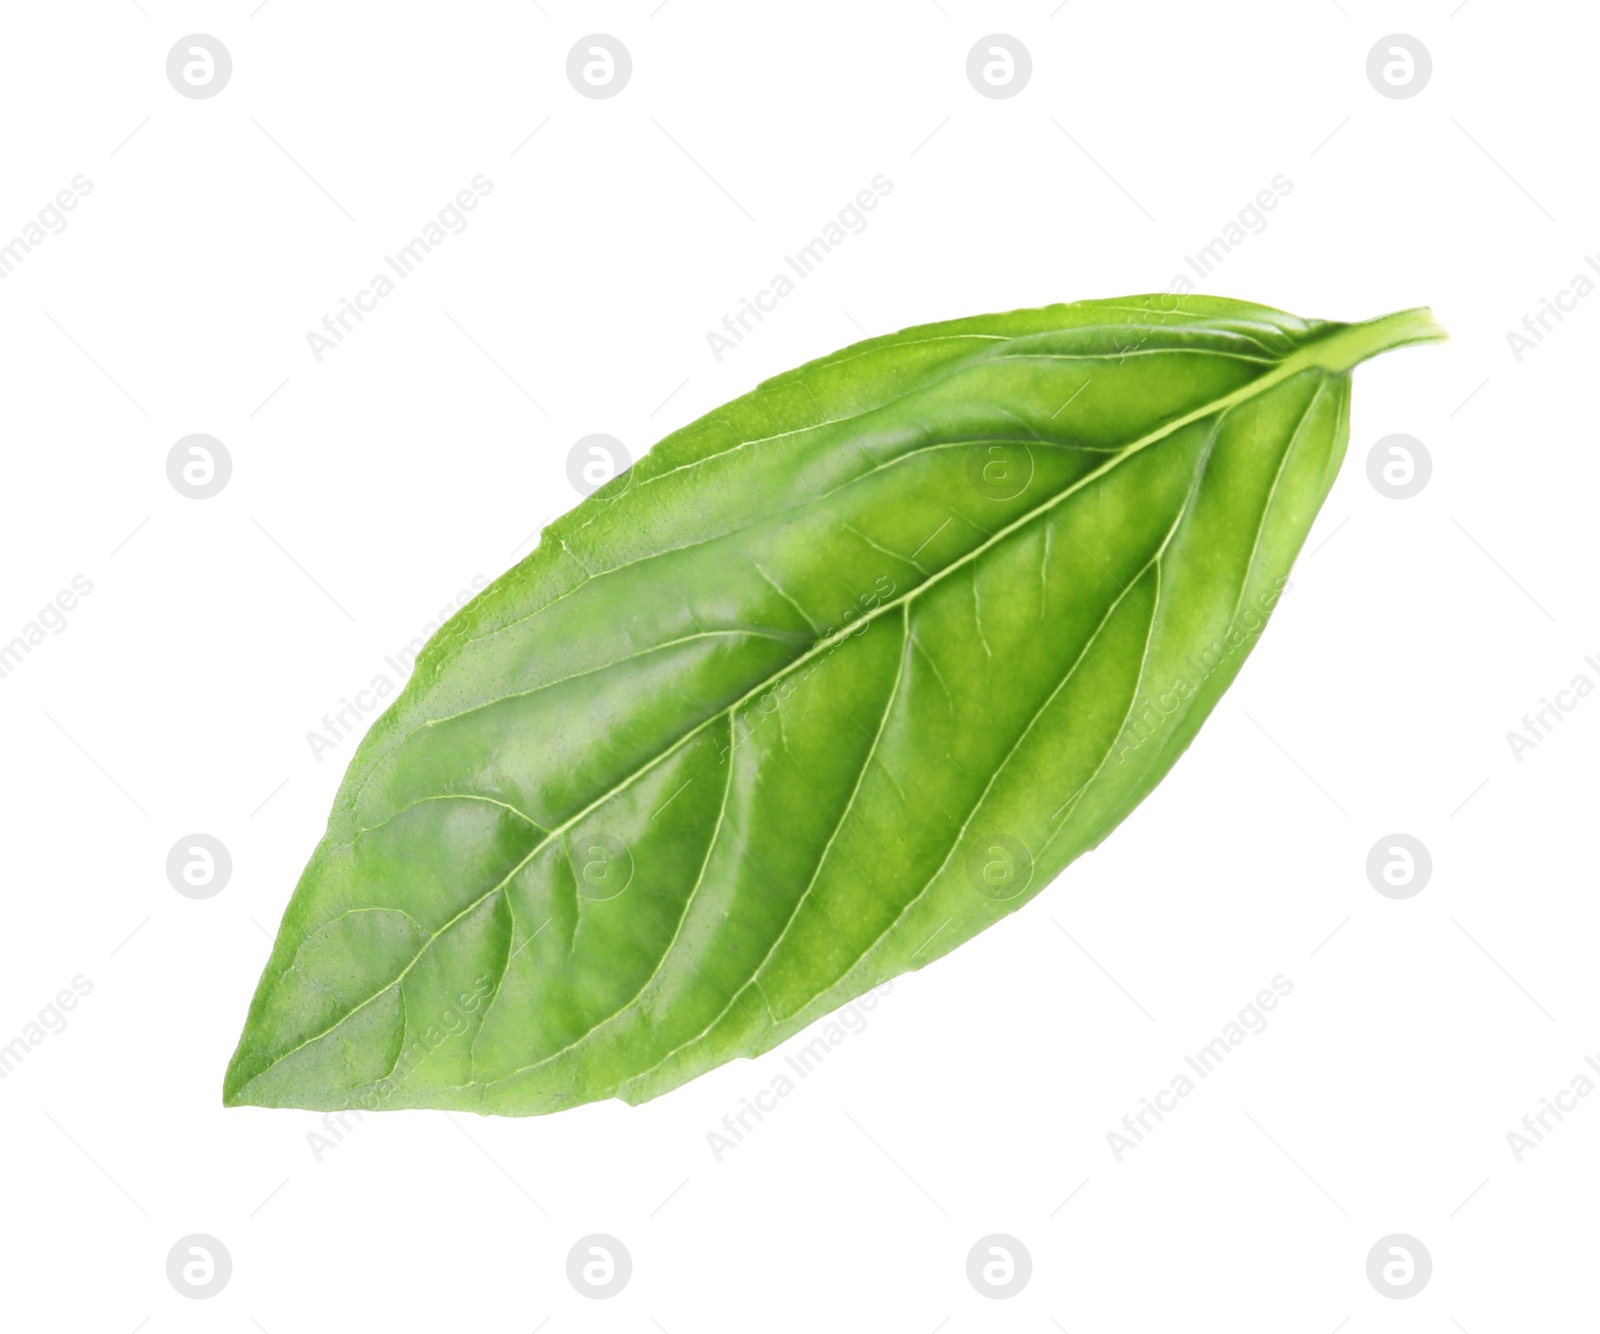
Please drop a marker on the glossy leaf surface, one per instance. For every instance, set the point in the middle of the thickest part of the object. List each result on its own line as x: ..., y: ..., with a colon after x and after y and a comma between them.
x: 832, y: 680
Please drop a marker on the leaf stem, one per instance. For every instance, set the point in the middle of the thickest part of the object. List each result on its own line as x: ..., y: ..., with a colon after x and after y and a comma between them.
x: 1351, y: 344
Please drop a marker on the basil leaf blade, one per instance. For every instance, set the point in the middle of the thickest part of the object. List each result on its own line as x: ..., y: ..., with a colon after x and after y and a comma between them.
x: 833, y: 679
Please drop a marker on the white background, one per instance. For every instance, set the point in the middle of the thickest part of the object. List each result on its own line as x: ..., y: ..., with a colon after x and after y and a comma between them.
x: 369, y: 488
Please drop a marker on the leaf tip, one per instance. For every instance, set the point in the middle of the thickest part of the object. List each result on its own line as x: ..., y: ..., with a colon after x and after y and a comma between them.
x: 234, y: 1084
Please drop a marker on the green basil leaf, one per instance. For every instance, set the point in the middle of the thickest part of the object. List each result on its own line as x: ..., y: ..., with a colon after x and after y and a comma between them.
x: 832, y: 680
